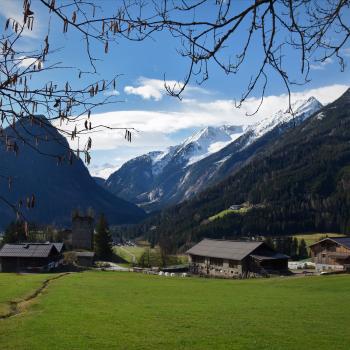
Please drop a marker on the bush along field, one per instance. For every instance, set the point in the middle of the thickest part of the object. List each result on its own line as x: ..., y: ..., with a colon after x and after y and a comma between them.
x: 109, y: 310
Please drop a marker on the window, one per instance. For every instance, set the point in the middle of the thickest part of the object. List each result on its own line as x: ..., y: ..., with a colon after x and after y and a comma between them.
x: 216, y: 261
x: 197, y: 259
x: 233, y: 263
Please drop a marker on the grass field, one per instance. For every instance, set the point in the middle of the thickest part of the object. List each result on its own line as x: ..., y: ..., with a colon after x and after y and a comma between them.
x: 127, y: 253
x: 14, y: 287
x: 108, y: 310
x: 225, y: 212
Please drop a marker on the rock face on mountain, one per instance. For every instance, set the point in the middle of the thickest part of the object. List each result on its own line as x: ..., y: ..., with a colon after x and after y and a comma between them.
x: 159, y: 179
x: 58, y: 187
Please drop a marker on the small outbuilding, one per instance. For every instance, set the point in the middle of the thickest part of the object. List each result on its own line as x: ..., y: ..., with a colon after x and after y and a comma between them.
x: 235, y: 259
x: 85, y: 258
x: 35, y: 257
x: 331, y: 254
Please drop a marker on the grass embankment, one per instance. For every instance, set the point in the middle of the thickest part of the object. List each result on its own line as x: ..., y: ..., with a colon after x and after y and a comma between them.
x: 225, y: 212
x: 101, y: 310
x: 314, y: 237
x: 133, y: 255
x: 130, y: 254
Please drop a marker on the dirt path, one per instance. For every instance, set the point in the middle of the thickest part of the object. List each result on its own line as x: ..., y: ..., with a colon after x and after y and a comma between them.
x: 18, y: 307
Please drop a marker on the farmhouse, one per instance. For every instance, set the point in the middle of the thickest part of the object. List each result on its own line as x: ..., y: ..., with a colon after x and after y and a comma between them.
x: 235, y: 259
x: 236, y: 206
x: 30, y: 257
x: 331, y: 254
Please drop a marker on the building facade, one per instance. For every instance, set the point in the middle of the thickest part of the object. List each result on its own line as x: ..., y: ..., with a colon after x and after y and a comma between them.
x: 331, y: 254
x: 235, y: 259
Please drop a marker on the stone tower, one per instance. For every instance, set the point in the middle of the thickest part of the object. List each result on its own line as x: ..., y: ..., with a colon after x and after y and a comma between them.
x: 82, y: 232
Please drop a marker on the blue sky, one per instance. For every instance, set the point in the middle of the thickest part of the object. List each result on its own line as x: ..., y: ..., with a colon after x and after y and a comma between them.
x: 162, y: 120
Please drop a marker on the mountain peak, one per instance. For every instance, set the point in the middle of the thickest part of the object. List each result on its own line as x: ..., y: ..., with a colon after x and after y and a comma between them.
x: 302, y: 109
x: 207, y: 141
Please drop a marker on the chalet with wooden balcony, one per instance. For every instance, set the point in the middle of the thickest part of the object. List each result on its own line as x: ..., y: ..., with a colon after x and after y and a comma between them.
x: 331, y: 254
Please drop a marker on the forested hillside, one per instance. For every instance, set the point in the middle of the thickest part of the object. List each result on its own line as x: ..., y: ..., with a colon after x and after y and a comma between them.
x: 43, y: 171
x: 301, y: 183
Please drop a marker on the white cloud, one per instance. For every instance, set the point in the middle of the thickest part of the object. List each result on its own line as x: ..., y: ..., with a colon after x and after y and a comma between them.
x: 155, y: 88
x: 25, y: 62
x: 156, y: 129
x: 321, y: 65
x: 112, y: 93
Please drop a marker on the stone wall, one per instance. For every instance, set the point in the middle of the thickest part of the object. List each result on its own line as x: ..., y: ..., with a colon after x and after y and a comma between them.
x: 228, y: 269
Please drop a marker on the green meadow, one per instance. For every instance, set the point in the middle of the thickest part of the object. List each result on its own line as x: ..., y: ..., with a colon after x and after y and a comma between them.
x: 110, y: 310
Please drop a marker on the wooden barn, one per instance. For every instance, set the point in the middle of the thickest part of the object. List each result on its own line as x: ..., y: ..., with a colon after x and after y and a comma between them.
x: 235, y: 259
x: 331, y: 254
x: 35, y: 257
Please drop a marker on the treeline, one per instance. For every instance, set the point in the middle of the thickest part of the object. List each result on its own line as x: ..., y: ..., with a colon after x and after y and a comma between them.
x: 290, y: 246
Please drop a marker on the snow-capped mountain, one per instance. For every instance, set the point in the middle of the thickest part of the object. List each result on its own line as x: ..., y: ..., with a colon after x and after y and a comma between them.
x: 302, y: 109
x: 196, y: 147
x: 158, y: 179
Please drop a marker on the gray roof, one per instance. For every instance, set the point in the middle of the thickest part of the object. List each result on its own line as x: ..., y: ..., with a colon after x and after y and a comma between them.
x: 85, y: 254
x: 27, y: 250
x: 269, y: 256
x: 234, y: 250
x: 344, y: 241
x: 58, y: 246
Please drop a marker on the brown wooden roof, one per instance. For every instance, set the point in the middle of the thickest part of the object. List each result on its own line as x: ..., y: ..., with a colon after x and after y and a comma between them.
x: 344, y: 241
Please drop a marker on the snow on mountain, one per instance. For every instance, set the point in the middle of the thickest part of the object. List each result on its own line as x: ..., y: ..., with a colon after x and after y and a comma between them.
x: 302, y: 109
x: 212, y: 139
x: 196, y: 147
x: 208, y: 156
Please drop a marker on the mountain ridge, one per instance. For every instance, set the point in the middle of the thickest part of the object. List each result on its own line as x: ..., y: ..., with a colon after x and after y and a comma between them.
x: 154, y: 181
x: 43, y: 169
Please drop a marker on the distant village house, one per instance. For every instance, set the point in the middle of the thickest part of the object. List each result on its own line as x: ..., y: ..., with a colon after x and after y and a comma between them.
x: 235, y: 259
x: 236, y: 206
x: 331, y: 254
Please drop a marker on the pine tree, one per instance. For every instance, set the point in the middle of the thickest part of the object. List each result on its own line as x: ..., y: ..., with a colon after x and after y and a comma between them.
x: 303, y: 254
x: 269, y: 242
x: 15, y: 233
x: 294, y: 248
x: 103, y: 240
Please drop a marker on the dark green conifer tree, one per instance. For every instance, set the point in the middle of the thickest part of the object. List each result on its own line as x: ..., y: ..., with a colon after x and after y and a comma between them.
x: 15, y: 233
x: 103, y: 240
x: 294, y: 248
x: 303, y: 254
